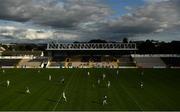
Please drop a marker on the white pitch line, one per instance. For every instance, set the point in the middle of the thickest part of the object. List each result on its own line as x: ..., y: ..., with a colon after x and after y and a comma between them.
x: 54, y: 108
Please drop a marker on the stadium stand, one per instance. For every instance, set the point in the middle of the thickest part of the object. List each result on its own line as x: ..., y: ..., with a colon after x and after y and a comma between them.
x: 57, y: 62
x: 86, y: 61
x: 21, y: 53
x: 2, y: 50
x: 149, y: 62
x: 75, y: 58
x: 88, y: 55
x: 95, y: 61
x: 9, y: 62
x: 91, y: 59
x: 125, y: 60
x: 31, y: 63
x: 171, y: 61
x: 78, y: 65
x: 108, y: 58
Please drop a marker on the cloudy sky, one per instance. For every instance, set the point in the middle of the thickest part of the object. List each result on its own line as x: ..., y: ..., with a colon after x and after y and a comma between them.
x: 83, y: 20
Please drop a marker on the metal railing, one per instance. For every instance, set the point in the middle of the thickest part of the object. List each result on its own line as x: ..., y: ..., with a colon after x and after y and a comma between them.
x: 91, y: 46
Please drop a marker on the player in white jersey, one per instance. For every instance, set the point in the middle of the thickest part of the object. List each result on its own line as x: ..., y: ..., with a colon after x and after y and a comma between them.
x: 109, y: 84
x: 142, y: 73
x: 104, y: 76
x: 104, y: 100
x: 117, y: 72
x: 99, y: 81
x: 62, y: 80
x: 3, y: 71
x: 50, y: 78
x: 27, y: 90
x: 93, y: 86
x: 88, y: 73
x: 8, y: 83
x: 141, y: 84
x: 64, y: 96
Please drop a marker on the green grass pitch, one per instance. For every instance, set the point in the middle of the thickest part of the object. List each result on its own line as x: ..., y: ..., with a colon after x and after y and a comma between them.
x: 161, y: 89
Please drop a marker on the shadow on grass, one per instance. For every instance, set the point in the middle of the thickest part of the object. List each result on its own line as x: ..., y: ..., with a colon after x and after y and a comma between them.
x: 96, y: 102
x: 109, y: 103
x: 3, y: 85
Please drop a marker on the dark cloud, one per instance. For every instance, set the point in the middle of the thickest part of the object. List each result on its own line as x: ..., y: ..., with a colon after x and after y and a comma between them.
x: 58, y: 13
x: 156, y: 16
x: 90, y: 19
x: 150, y: 18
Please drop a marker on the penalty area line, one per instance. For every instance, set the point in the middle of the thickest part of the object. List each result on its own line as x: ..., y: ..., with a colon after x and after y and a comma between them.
x: 54, y: 108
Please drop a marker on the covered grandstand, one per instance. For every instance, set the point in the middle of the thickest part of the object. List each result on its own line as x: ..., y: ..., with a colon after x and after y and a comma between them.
x: 90, y: 55
x: 105, y: 55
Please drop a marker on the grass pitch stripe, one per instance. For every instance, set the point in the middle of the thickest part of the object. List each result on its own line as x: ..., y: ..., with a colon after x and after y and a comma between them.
x: 54, y: 108
x: 2, y: 82
x: 131, y: 97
